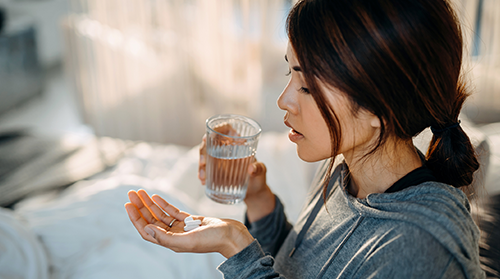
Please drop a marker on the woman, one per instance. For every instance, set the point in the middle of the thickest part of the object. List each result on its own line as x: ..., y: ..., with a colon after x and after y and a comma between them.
x: 366, y: 77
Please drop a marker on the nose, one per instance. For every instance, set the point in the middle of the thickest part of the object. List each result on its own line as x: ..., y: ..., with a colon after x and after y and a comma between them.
x: 288, y: 100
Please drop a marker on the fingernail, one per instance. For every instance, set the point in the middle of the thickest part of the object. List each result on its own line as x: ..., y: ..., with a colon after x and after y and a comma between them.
x: 202, y: 158
x: 150, y: 231
x: 202, y: 174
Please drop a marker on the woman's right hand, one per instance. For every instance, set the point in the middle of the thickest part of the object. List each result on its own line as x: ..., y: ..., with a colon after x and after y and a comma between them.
x: 149, y: 216
x: 259, y: 198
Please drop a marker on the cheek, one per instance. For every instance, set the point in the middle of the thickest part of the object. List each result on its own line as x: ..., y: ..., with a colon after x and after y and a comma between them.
x: 317, y: 145
x: 323, y: 137
x: 346, y: 120
x: 317, y: 125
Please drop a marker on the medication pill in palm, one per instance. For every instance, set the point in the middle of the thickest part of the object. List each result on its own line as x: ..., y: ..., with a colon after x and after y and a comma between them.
x: 189, y: 228
x: 193, y: 222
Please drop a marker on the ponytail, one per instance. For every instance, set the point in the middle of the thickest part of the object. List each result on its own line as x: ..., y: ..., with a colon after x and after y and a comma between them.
x: 451, y: 156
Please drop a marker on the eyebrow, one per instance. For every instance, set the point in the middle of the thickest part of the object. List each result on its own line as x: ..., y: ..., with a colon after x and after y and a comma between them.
x: 296, y: 68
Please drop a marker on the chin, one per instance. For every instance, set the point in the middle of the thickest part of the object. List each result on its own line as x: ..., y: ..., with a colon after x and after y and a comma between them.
x: 310, y: 156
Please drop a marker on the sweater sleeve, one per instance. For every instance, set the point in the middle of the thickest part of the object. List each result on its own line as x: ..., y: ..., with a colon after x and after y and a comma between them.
x: 271, y: 230
x: 249, y: 263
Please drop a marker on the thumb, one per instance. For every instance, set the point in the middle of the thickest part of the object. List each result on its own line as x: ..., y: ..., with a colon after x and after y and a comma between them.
x: 150, y: 230
x: 257, y: 169
x: 165, y: 238
x: 156, y: 234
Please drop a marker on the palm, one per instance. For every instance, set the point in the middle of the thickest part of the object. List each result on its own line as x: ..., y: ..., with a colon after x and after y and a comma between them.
x: 211, y: 236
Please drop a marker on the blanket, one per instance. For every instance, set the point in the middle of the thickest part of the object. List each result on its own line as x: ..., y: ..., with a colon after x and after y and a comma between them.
x: 21, y: 253
x: 85, y: 232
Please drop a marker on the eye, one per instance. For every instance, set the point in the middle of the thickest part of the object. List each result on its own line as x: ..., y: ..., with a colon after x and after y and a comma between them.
x: 304, y: 90
x: 289, y: 72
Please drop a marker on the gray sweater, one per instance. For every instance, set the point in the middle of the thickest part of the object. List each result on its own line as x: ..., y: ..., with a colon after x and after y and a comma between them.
x: 423, y: 231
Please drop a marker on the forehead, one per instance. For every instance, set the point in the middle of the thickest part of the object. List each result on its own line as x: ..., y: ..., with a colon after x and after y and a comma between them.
x: 290, y: 54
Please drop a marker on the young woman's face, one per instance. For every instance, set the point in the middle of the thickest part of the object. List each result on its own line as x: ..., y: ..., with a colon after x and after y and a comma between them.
x: 308, y: 128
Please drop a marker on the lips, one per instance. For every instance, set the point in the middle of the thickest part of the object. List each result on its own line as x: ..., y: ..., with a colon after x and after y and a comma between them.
x: 293, y: 130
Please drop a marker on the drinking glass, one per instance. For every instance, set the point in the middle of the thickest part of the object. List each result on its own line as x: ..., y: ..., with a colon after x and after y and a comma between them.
x: 231, y: 145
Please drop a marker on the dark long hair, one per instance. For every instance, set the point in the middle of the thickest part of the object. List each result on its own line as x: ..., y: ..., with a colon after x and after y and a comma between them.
x: 399, y: 59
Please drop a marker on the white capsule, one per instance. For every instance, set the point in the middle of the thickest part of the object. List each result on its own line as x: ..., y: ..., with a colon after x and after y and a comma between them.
x: 193, y: 222
x: 187, y: 219
x: 190, y: 228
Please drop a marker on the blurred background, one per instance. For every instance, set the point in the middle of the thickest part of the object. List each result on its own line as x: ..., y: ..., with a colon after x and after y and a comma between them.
x: 154, y: 70
x: 141, y: 69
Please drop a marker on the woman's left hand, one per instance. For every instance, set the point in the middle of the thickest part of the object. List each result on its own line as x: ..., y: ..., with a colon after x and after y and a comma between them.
x: 225, y: 236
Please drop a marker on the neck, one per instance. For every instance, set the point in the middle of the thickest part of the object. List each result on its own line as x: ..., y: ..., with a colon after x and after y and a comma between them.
x: 380, y: 170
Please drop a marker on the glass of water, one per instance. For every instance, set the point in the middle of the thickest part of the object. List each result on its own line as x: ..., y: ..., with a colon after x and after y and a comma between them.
x: 231, y: 146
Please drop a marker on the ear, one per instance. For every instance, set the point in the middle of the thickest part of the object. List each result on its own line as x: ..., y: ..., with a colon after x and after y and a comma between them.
x: 375, y: 121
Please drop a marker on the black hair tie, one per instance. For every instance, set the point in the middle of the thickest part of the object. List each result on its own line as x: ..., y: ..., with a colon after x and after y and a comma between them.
x: 438, y: 132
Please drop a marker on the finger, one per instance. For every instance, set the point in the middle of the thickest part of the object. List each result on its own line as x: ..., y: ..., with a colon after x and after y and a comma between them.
x: 257, y: 169
x: 137, y: 201
x: 170, y: 209
x: 138, y: 222
x: 144, y: 209
x: 154, y: 209
x: 226, y: 129
x: 178, y: 242
x: 164, y: 238
x: 203, y: 144
x: 202, y: 162
x: 202, y: 175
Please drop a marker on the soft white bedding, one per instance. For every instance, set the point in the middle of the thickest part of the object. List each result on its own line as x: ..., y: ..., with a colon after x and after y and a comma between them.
x: 86, y: 232
x: 21, y: 253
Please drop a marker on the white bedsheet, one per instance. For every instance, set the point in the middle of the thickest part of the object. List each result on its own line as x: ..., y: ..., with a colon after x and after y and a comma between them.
x: 21, y: 254
x: 86, y: 233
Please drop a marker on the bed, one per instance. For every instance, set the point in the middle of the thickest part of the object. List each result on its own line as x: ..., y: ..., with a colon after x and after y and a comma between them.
x: 62, y: 200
